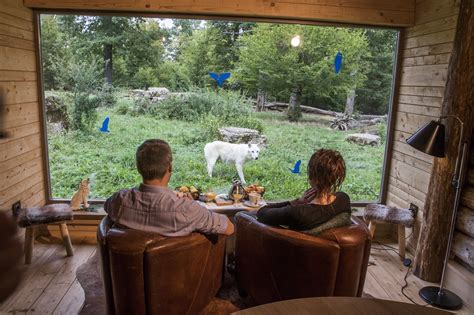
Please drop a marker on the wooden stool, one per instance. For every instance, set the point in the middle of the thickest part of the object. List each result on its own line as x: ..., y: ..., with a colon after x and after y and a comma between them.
x: 30, y: 218
x: 403, y: 218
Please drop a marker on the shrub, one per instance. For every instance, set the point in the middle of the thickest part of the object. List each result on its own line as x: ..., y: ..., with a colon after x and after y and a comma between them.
x: 124, y: 106
x: 84, y: 112
x: 107, y: 96
x: 142, y: 106
x: 196, y: 103
x: 145, y: 77
x: 382, y: 132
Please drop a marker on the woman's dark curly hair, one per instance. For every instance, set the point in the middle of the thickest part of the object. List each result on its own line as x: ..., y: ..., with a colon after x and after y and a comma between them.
x: 326, y: 171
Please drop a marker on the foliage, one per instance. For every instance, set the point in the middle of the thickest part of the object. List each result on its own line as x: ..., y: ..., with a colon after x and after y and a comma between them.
x: 214, y: 109
x: 84, y: 114
x: 111, y: 157
x: 107, y: 95
x: 141, y: 53
x: 373, y: 96
x: 268, y: 62
x: 294, y: 114
x: 82, y: 80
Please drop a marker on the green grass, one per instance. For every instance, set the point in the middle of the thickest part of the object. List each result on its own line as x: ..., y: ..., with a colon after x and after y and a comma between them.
x: 109, y: 158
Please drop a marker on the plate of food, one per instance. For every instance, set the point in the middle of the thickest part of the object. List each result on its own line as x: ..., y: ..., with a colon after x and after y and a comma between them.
x: 208, y: 196
x: 254, y: 188
x: 195, y: 192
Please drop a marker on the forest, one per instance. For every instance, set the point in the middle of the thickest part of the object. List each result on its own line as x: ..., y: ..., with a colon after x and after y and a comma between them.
x: 94, y: 66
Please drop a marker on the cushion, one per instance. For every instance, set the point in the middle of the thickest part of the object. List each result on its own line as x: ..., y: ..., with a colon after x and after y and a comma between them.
x: 389, y: 214
x: 340, y: 220
x: 44, y: 215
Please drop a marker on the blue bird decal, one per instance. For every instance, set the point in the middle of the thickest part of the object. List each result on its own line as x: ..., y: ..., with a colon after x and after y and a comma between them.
x: 220, y: 78
x: 338, y: 62
x: 296, y: 169
x: 105, y: 125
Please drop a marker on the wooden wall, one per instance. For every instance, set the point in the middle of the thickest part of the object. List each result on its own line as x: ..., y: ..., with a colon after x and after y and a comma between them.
x: 374, y: 12
x: 426, y: 48
x: 21, y: 167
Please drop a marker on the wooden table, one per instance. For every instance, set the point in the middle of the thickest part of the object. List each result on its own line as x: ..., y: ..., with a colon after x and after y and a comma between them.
x: 340, y: 306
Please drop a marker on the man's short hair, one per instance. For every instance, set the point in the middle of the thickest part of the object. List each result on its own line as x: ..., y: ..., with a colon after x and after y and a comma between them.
x: 153, y: 159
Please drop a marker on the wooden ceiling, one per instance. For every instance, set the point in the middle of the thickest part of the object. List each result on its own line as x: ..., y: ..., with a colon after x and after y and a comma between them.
x: 399, y: 13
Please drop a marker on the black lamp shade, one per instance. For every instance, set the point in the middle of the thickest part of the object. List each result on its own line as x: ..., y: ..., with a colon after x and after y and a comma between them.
x: 429, y: 139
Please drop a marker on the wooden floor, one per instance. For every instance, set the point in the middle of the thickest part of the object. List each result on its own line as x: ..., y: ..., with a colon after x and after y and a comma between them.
x: 50, y: 285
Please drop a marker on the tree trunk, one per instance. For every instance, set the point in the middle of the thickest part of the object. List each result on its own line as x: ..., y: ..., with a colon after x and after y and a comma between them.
x: 458, y: 98
x: 261, y: 100
x: 350, y: 102
x: 294, y: 109
x: 108, y: 63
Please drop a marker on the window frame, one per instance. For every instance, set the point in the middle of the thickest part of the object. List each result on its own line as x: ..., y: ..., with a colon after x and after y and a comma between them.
x: 392, y: 109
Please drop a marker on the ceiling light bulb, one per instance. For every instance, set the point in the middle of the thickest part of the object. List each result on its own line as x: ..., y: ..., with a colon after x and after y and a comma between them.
x: 296, y: 41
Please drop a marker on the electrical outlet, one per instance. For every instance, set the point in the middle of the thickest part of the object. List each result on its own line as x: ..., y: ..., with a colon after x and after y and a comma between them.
x: 16, y: 208
x: 414, y: 209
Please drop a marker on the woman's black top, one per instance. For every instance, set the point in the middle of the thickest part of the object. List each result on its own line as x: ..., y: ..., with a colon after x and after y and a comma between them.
x: 303, y: 217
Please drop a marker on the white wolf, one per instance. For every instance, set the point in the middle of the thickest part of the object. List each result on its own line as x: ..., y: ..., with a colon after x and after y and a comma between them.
x: 230, y: 153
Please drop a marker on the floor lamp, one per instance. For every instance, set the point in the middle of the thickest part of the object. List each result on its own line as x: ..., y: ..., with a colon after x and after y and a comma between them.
x: 430, y: 139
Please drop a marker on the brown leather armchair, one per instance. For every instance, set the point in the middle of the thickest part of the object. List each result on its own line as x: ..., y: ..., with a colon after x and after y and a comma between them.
x: 274, y: 264
x: 146, y: 273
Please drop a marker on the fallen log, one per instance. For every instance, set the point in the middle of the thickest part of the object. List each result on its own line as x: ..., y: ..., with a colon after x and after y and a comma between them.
x: 364, y: 119
x: 465, y: 221
x: 304, y: 109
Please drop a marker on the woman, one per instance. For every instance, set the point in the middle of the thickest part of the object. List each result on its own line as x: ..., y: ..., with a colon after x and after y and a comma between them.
x: 320, y: 203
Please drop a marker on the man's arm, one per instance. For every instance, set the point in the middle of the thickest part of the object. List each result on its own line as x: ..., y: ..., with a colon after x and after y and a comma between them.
x: 230, y: 228
x: 206, y: 221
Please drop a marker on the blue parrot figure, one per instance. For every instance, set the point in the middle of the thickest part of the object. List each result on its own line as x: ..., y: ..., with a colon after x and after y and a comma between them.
x: 296, y: 169
x: 105, y: 125
x: 220, y: 78
x: 338, y: 62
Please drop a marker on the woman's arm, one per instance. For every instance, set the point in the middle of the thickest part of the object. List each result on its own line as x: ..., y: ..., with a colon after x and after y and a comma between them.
x: 307, y: 197
x: 275, y: 216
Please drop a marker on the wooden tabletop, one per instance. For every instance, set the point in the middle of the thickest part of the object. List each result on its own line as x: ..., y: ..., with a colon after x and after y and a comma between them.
x: 229, y: 209
x: 340, y: 306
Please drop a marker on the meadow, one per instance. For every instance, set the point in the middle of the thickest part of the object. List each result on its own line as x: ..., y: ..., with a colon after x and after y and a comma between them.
x: 109, y: 158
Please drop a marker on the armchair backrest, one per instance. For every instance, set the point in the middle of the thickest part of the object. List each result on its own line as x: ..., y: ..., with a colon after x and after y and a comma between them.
x: 275, y: 264
x: 146, y: 273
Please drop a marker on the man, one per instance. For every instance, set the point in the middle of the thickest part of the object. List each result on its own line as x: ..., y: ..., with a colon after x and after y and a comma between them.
x: 154, y: 207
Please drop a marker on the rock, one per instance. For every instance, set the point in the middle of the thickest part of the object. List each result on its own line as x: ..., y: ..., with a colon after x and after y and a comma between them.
x: 56, y: 110
x: 363, y: 139
x: 138, y: 92
x: 55, y: 127
x: 242, y: 135
x: 157, y: 91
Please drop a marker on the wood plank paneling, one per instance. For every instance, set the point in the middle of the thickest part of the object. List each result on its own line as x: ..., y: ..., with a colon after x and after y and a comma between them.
x: 21, y: 166
x: 431, y: 75
x: 382, y: 12
x: 439, y: 25
x: 426, y: 50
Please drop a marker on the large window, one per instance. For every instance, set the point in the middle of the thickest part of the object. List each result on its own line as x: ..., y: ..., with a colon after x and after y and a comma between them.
x: 112, y: 82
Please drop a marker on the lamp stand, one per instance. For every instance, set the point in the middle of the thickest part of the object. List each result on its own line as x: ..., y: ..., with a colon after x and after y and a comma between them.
x: 439, y: 296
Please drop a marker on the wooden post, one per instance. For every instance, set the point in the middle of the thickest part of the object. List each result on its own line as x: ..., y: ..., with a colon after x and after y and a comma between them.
x: 29, y: 242
x: 66, y: 239
x: 458, y: 100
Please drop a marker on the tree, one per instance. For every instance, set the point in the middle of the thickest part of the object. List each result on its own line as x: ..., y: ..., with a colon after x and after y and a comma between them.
x: 100, y: 35
x: 267, y: 62
x: 373, y: 96
x: 54, y: 47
